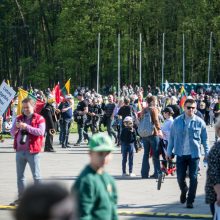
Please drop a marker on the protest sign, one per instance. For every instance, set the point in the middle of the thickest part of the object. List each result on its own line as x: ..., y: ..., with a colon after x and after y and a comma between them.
x: 6, y: 95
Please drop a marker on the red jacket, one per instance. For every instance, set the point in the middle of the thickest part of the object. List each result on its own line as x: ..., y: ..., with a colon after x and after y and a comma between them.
x: 35, y: 142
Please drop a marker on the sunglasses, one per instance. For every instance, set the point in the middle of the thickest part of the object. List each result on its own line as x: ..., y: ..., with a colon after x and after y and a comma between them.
x: 190, y: 107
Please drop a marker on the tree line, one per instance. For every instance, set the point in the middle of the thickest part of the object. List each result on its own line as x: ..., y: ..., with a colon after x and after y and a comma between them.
x: 43, y: 42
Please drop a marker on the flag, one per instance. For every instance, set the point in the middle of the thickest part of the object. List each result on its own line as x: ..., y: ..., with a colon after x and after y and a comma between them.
x: 22, y: 94
x: 166, y: 85
x: 56, y: 93
x: 182, y: 98
x: 8, y: 112
x: 66, y: 89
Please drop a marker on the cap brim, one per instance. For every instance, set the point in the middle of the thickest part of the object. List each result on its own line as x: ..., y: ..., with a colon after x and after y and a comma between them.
x: 103, y: 148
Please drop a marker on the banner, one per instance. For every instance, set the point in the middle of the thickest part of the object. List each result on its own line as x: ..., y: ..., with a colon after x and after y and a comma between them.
x: 6, y: 95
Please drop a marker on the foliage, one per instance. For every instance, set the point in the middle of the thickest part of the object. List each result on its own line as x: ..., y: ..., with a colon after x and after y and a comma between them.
x: 42, y: 42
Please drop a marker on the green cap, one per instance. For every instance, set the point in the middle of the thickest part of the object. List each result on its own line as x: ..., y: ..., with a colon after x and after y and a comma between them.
x: 101, y: 143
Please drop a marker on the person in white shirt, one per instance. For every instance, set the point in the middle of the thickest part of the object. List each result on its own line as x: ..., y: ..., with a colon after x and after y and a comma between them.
x: 166, y: 126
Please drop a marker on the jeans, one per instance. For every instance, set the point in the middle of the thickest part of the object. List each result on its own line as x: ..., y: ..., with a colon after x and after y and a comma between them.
x: 127, y: 152
x: 22, y: 158
x: 82, y: 133
x: 182, y: 163
x: 110, y: 129
x: 150, y: 142
x: 66, y: 123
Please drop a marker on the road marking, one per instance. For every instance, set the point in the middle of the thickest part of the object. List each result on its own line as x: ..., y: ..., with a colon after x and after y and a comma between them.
x: 166, y: 215
x: 7, y: 207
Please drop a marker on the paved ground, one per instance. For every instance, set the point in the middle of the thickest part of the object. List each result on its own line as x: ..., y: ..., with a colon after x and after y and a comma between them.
x: 135, y: 195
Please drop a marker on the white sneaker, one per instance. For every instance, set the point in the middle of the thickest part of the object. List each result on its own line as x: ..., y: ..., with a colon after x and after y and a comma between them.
x: 124, y: 175
x: 132, y: 175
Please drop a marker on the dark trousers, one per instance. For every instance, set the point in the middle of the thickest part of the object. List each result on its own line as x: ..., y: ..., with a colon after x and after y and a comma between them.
x: 212, y: 209
x: 182, y: 163
x: 110, y: 129
x: 151, y: 142
x: 82, y: 133
x: 65, y: 127
x: 48, y: 141
x: 127, y: 153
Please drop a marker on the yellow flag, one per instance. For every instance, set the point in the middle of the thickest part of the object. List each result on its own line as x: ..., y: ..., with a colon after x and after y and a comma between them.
x: 22, y: 94
x: 67, y: 86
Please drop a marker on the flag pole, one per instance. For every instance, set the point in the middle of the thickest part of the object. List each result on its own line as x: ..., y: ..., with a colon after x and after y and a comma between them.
x: 183, y: 59
x: 98, y: 63
x: 119, y: 73
x: 140, y: 63
x: 163, y: 61
x: 210, y: 56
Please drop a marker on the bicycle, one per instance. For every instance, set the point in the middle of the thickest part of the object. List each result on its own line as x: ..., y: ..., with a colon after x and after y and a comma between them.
x: 164, y: 171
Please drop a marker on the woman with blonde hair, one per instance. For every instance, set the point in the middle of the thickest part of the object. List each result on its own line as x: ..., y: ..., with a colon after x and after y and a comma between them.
x: 212, y: 188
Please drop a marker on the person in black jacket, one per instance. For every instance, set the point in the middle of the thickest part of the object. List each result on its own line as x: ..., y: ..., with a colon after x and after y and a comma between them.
x: 49, y: 113
x: 128, y: 146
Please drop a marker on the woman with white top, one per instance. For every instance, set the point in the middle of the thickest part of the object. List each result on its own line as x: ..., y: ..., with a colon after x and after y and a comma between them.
x: 165, y: 128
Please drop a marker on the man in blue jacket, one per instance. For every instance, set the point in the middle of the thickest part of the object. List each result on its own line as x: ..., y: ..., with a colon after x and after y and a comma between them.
x: 188, y: 132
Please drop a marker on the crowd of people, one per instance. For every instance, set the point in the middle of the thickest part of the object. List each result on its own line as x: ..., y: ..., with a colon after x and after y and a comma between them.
x: 133, y: 123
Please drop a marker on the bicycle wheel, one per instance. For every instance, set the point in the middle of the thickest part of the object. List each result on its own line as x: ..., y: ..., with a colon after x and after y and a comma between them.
x: 159, y: 181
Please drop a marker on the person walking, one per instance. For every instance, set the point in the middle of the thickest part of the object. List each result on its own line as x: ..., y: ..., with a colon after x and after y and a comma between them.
x: 128, y: 145
x: 95, y: 189
x: 81, y: 116
x: 212, y: 187
x: 188, y: 132
x: 109, y: 112
x: 150, y: 141
x: 66, y: 109
x: 28, y: 131
x: 49, y: 113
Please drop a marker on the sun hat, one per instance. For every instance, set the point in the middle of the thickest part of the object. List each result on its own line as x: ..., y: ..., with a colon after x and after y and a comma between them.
x: 101, y: 143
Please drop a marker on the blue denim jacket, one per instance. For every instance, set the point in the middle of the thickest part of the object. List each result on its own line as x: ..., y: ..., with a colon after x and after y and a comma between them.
x: 197, y: 136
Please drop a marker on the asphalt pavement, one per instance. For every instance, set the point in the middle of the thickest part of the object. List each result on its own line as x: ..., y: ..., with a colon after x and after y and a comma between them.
x: 138, y: 198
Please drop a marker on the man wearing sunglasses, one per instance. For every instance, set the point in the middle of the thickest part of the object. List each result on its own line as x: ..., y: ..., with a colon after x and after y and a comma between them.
x: 188, y: 132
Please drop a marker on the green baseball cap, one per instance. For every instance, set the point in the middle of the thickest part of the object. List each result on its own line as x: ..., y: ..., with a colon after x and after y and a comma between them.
x: 101, y: 143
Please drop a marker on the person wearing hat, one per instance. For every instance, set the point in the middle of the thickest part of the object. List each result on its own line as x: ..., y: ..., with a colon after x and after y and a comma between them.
x: 128, y: 145
x: 66, y: 109
x: 50, y: 115
x: 95, y: 189
x: 80, y: 116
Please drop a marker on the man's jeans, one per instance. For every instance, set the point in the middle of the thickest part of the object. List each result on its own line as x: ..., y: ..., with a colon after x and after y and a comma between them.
x: 82, y: 133
x: 127, y: 151
x: 66, y: 123
x: 110, y: 129
x: 22, y: 158
x: 182, y: 163
x: 151, y: 142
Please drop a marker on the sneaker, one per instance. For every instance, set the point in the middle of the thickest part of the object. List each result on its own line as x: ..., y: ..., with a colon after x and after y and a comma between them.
x: 132, y: 175
x: 124, y: 175
x: 183, y: 196
x: 15, y: 203
x: 189, y: 205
